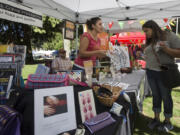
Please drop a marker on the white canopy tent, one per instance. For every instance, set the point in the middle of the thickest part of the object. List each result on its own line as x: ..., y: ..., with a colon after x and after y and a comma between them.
x: 108, y: 10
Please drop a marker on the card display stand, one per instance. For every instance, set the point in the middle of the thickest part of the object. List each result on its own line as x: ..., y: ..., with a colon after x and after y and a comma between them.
x: 11, y: 63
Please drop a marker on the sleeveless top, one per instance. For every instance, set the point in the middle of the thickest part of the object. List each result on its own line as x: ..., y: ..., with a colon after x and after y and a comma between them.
x: 91, y: 47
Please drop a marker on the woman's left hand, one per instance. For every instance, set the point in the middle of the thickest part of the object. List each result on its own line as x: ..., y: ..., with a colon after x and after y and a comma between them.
x: 163, y: 46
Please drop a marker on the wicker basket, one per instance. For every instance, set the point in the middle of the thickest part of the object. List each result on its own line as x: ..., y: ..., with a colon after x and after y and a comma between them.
x: 108, y: 101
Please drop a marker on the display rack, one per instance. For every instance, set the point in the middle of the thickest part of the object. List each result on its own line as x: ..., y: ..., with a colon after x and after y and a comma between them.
x: 12, y: 59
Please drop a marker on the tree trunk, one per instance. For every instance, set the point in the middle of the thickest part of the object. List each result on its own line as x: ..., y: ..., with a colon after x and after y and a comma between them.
x: 27, y: 42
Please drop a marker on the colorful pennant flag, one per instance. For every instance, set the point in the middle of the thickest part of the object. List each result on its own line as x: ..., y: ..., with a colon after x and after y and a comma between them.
x: 110, y: 25
x: 121, y: 24
x: 142, y: 22
x: 172, y: 22
x: 165, y: 20
x: 130, y: 22
x: 167, y: 26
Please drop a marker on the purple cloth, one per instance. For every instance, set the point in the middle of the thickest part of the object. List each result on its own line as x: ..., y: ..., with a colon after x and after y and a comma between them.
x: 99, y: 122
x: 9, y: 121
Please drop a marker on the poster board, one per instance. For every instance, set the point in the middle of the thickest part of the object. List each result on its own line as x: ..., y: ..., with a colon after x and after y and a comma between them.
x: 54, y: 110
x: 104, y: 38
x: 119, y: 56
x: 69, y: 30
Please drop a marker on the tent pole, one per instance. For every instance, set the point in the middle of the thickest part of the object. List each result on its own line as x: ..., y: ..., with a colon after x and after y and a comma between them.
x: 177, y: 23
x: 77, y: 25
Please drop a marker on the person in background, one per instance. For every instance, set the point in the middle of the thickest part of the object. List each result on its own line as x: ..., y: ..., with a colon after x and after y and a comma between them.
x: 139, y: 54
x: 61, y: 63
x: 166, y: 46
x: 90, y: 44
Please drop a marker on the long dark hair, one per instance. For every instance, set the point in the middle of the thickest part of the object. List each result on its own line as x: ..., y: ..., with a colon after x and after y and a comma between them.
x: 91, y: 22
x: 157, y: 32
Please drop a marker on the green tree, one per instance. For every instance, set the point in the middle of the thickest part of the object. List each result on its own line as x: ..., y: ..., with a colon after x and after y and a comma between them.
x: 48, y: 37
x: 48, y: 33
x: 54, y: 44
x: 22, y: 34
x: 17, y: 33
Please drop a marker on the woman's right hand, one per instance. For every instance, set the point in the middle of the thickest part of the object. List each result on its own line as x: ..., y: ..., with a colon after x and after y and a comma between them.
x: 101, y: 53
x: 48, y: 110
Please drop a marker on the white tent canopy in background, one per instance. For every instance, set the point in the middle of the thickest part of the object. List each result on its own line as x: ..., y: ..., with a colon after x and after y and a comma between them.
x: 109, y: 10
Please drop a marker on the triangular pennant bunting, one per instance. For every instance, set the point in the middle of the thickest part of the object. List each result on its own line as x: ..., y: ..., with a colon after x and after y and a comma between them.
x: 142, y: 22
x: 165, y: 20
x: 167, y: 26
x: 110, y: 25
x: 130, y: 22
x: 121, y: 24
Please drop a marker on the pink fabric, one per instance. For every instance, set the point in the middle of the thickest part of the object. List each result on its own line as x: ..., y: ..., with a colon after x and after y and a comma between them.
x: 66, y: 80
x: 78, y: 83
x: 91, y: 47
x: 143, y: 63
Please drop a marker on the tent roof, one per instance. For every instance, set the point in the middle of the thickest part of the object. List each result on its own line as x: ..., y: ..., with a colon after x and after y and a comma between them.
x: 109, y: 10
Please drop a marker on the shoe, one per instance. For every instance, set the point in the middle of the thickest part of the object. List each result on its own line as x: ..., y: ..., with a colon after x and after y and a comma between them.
x: 154, y: 123
x: 165, y: 127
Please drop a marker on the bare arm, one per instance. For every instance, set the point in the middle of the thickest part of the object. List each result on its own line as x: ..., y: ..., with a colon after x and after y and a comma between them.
x: 83, y: 49
x: 172, y: 52
x: 174, y: 42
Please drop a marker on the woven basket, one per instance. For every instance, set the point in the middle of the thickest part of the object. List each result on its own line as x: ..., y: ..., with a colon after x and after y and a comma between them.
x: 108, y: 101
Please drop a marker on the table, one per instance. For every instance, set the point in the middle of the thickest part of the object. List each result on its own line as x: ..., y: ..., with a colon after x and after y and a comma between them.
x: 25, y: 106
x: 137, y: 86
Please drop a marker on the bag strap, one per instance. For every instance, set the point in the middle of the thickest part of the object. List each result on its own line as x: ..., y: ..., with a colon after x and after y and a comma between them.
x: 155, y: 54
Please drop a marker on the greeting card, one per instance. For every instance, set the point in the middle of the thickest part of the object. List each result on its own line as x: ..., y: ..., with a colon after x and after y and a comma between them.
x: 87, y: 105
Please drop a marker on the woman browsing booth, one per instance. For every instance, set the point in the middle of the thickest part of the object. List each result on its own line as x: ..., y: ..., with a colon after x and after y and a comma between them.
x: 161, y: 49
x: 90, y: 44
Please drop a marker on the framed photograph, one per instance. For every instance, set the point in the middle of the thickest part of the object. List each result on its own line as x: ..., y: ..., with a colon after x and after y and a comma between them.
x: 54, y: 105
x: 54, y: 110
x: 69, y: 30
x: 87, y: 105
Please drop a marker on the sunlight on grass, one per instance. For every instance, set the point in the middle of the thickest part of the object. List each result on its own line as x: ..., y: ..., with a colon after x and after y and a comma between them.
x: 148, y: 114
x: 28, y: 69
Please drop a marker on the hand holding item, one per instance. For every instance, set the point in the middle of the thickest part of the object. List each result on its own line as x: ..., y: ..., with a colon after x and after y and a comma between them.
x: 163, y: 45
x: 51, y: 100
x: 101, y: 53
x: 48, y: 110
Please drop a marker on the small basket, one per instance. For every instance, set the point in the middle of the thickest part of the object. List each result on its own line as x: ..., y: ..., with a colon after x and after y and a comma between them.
x: 108, y: 101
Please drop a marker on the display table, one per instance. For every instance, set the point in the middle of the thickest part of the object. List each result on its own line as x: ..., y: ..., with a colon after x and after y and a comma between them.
x: 118, y: 128
x: 137, y: 85
x: 25, y: 106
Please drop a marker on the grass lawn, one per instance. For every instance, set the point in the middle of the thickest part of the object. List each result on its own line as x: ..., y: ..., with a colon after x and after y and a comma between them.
x: 146, y: 117
x: 143, y: 119
x: 28, y: 69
